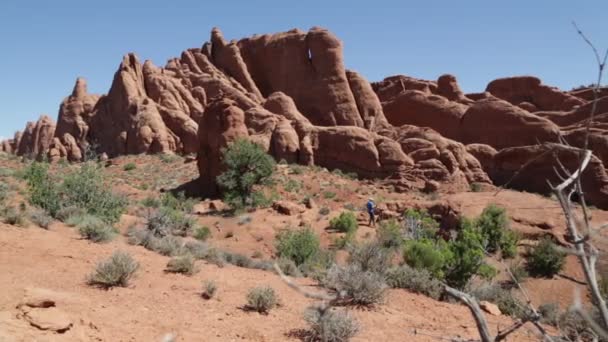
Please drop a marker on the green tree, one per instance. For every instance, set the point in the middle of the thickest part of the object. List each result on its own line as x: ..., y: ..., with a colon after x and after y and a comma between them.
x: 247, y: 165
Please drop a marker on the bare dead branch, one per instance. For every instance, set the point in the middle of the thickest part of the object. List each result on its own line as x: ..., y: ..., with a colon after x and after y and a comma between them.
x: 300, y: 289
x: 471, y: 303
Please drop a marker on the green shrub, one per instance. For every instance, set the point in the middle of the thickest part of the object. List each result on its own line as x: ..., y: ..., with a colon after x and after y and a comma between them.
x: 239, y: 260
x: 297, y: 245
x: 493, y: 223
x: 356, y: 286
x: 545, y: 260
x: 116, y: 271
x: 3, y: 192
x: 129, y: 167
x: 40, y: 218
x: 370, y: 256
x: 504, y: 299
x: 94, y: 229
x: 261, y: 299
x: 293, y: 185
x: 508, y: 244
x: 345, y: 223
x: 209, y: 289
x: 390, y: 234
x: 330, y: 325
x: 467, y: 257
x: 329, y: 194
x: 475, y: 187
x: 487, y: 272
x: 66, y: 214
x: 86, y: 188
x: 151, y: 202
x: 418, y: 281
x: 177, y: 202
x: 144, y: 238
x: 247, y: 165
x: 43, y: 191
x: 434, y: 256
x: 184, y: 264
x: 202, y: 233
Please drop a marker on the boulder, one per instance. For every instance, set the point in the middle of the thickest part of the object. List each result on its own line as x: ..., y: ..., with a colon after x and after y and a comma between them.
x: 288, y: 208
x: 490, y: 308
x: 447, y: 86
x: 50, y: 319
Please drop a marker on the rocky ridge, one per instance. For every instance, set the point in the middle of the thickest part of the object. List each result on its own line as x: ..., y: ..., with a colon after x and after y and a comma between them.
x: 291, y: 93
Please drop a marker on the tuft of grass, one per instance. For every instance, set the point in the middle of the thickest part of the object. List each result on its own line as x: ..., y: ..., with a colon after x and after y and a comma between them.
x: 202, y: 233
x: 129, y: 167
x: 545, y: 260
x: 262, y: 299
x: 297, y: 245
x: 345, y: 223
x: 356, y: 286
x: 118, y: 270
x: 416, y: 280
x: 209, y: 289
x: 324, y: 211
x: 329, y: 194
x: 13, y: 216
x: 40, y: 218
x: 183, y: 264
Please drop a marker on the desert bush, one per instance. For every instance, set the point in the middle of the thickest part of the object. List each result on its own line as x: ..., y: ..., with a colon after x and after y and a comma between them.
x: 43, y: 191
x: 239, y: 260
x: 168, y: 221
x: 575, y: 328
x: 66, y: 214
x: 323, y: 211
x: 40, y: 218
x: 503, y: 298
x: 390, y: 234
x: 493, y: 223
x: 356, y: 286
x: 487, y: 272
x: 508, y: 244
x: 545, y: 260
x: 292, y: 185
x: 151, y: 202
x: 296, y: 169
x: 289, y: 267
x: 198, y: 250
x: 549, y: 313
x: 416, y: 280
x: 467, y: 257
x: 475, y: 187
x: 13, y: 216
x: 345, y: 223
x: 86, y: 188
x: 177, y: 202
x: 94, y: 229
x: 142, y: 237
x: 329, y: 194
x: 129, y: 167
x: 209, y: 289
x: 116, y: 271
x: 202, y: 233
x: 370, y: 256
x: 3, y: 192
x: 184, y: 264
x: 247, y: 165
x: 262, y: 299
x: 317, y: 267
x: 434, y: 256
x: 519, y: 272
x: 297, y: 245
x: 330, y: 325
x: 169, y: 246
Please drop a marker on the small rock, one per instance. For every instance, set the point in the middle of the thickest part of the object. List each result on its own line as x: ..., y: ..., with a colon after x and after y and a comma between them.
x: 431, y: 186
x: 310, y: 203
x: 490, y: 308
x: 51, y: 319
x: 288, y: 208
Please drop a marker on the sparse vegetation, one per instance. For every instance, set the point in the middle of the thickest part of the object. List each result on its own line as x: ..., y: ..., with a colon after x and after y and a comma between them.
x: 506, y: 301
x: 202, y: 233
x: 330, y: 325
x: 415, y: 280
x: 329, y: 194
x: 299, y: 246
x: 345, y: 223
x: 209, y: 289
x: 545, y: 260
x: 390, y: 234
x: 184, y: 264
x: 129, y: 167
x: 13, y: 216
x: 118, y: 270
x: 247, y: 165
x: 40, y: 218
x: 94, y: 229
x: 323, y: 211
x: 262, y: 299
x: 356, y: 286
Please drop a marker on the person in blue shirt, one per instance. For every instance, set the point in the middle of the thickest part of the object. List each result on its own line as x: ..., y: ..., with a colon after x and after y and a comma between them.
x: 371, y: 207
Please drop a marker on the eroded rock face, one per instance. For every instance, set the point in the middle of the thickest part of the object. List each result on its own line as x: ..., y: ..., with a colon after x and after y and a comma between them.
x: 517, y: 90
x: 36, y: 138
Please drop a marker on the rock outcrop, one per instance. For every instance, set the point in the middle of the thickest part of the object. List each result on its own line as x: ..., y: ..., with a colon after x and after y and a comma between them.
x: 290, y: 93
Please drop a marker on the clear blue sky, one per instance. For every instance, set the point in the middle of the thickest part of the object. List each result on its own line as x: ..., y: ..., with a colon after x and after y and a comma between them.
x: 46, y: 44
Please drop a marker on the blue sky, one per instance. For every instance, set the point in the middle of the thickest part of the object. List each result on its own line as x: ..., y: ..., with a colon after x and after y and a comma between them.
x: 47, y: 44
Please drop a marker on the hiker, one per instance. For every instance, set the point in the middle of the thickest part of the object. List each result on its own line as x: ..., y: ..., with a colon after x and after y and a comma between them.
x: 371, y: 207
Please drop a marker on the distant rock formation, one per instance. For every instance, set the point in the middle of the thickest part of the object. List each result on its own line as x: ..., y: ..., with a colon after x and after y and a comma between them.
x: 291, y: 93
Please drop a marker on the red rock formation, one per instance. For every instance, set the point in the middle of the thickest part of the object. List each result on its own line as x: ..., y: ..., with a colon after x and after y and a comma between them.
x: 36, y: 138
x: 447, y: 86
x: 392, y: 86
x: 530, y: 89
